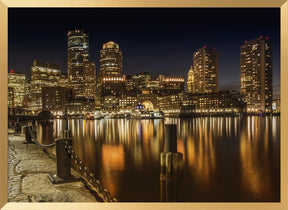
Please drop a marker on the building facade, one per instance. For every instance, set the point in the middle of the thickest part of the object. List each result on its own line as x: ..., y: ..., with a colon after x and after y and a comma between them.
x: 63, y: 80
x: 42, y: 75
x: 55, y: 99
x: 256, y: 75
x: 171, y: 85
x: 89, y: 80
x: 16, y: 89
x: 112, y: 86
x: 77, y: 54
x: 205, y: 71
x: 186, y: 104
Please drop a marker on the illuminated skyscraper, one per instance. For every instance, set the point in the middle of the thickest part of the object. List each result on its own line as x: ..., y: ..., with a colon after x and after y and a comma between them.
x: 77, y: 47
x: 42, y: 75
x: 16, y: 89
x: 89, y: 80
x: 111, y: 81
x: 256, y: 74
x: 190, y: 81
x: 205, y: 70
x: 111, y: 60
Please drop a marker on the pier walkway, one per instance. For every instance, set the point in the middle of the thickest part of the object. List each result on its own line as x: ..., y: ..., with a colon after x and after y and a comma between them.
x: 28, y: 167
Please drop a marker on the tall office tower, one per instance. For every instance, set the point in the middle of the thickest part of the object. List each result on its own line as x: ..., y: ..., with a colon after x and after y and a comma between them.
x: 42, y: 75
x: 111, y: 60
x: 111, y: 81
x: 205, y: 68
x: 256, y: 74
x: 89, y: 80
x: 77, y: 54
x: 16, y: 89
x: 190, y: 81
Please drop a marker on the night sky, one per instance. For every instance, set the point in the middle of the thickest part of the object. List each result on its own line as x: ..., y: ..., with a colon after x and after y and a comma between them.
x: 158, y: 41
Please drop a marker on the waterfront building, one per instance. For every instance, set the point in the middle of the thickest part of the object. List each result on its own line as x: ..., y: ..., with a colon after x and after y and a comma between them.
x: 42, y: 75
x: 127, y: 103
x: 89, y: 80
x: 205, y: 71
x: 55, y: 99
x: 222, y: 102
x: 16, y: 89
x: 170, y: 105
x: 80, y: 107
x: 256, y: 74
x: 190, y: 81
x: 149, y: 100
x: 77, y: 54
x: 110, y: 104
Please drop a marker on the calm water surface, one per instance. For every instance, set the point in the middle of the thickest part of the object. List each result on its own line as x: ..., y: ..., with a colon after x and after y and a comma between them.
x: 225, y: 158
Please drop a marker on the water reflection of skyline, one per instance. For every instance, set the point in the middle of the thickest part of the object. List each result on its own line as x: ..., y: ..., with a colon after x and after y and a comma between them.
x: 240, y: 151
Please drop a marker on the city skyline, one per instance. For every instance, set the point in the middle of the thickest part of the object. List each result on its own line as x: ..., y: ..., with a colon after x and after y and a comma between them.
x: 148, y: 50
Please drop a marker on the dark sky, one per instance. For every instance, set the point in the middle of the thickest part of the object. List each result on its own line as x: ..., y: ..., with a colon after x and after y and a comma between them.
x: 158, y: 41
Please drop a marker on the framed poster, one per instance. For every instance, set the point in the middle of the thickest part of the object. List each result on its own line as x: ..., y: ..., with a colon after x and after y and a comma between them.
x: 255, y: 184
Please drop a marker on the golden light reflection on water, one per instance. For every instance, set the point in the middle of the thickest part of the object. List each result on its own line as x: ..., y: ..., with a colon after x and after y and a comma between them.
x: 255, y: 157
x: 123, y: 151
x: 113, y: 163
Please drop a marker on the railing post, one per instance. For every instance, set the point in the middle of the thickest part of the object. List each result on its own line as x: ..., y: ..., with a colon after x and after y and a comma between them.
x: 63, y: 163
x: 171, y: 166
x: 28, y: 136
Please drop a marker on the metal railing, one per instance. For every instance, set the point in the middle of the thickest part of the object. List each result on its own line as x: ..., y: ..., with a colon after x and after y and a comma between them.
x: 89, y: 176
x: 64, y: 155
x: 33, y: 139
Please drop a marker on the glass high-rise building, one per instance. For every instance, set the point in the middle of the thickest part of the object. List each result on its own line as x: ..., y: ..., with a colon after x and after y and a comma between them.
x: 77, y: 54
x: 256, y: 74
x: 89, y: 80
x: 111, y: 60
x: 205, y: 71
x: 111, y: 81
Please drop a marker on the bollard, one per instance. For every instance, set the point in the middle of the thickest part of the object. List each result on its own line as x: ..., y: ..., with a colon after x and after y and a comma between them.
x: 171, y: 166
x: 27, y: 135
x: 17, y: 128
x: 170, y: 138
x: 63, y: 163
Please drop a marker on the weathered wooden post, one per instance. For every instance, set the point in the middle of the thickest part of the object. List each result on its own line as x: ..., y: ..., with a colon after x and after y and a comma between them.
x: 171, y: 165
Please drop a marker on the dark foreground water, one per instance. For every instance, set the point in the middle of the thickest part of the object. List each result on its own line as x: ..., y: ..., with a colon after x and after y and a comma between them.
x: 225, y: 158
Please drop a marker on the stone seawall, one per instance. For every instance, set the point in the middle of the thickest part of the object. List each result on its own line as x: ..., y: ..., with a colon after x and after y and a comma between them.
x: 28, y: 167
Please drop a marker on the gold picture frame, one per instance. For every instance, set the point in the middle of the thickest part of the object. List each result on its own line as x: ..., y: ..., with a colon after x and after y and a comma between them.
x: 5, y: 4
